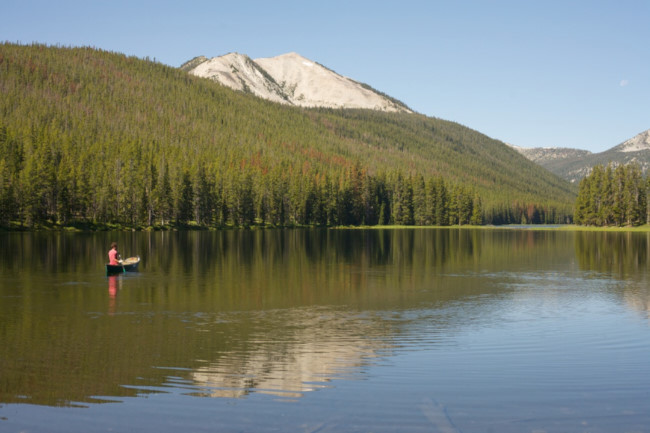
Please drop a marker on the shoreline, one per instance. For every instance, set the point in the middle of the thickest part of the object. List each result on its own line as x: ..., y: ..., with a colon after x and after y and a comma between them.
x: 93, y: 227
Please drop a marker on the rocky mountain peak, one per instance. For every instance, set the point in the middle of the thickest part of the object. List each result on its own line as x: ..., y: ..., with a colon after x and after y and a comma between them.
x: 637, y: 143
x: 291, y: 79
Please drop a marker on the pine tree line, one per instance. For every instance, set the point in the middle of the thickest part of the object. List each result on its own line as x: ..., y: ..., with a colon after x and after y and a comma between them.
x: 613, y: 196
x: 41, y: 184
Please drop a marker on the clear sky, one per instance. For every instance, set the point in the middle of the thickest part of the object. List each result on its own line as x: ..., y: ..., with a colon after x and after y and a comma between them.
x: 553, y: 73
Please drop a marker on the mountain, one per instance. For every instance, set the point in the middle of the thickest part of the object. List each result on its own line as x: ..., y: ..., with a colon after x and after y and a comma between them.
x: 291, y: 79
x: 569, y: 164
x: 93, y: 136
x: 638, y: 143
x: 574, y: 164
x: 546, y: 156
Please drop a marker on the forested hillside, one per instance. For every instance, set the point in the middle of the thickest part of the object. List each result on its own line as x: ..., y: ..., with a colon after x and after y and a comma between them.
x: 94, y: 136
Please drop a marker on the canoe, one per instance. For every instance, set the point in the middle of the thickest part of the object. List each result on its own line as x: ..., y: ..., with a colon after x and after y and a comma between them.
x: 128, y: 265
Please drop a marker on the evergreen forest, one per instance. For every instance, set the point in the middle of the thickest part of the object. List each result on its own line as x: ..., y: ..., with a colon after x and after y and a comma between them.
x: 613, y: 196
x: 95, y: 137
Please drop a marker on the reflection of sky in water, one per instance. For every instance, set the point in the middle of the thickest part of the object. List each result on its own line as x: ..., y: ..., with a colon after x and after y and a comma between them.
x: 556, y: 350
x: 550, y: 332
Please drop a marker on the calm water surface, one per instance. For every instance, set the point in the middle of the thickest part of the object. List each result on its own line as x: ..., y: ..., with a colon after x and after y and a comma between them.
x: 326, y: 331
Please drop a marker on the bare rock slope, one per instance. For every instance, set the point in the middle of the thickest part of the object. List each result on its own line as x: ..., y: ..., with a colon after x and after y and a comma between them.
x: 291, y: 79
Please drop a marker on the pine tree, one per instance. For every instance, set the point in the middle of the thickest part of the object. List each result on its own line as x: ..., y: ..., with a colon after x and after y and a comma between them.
x: 150, y: 183
x: 633, y: 196
x: 647, y: 200
x: 477, y: 211
x: 442, y: 203
x: 594, y: 215
x: 617, y: 189
x: 402, y: 201
x: 185, y: 200
x: 162, y: 193
x: 583, y: 202
x: 420, y: 214
x: 203, y: 197
x: 246, y: 202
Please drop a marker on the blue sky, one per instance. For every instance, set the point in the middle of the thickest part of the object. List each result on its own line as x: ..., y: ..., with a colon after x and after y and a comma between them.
x: 531, y: 73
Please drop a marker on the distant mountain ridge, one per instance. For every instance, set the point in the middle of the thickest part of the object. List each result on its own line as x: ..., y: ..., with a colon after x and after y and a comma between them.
x: 291, y: 79
x: 574, y: 164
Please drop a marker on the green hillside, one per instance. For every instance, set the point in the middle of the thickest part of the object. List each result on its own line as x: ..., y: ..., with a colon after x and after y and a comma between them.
x: 93, y: 136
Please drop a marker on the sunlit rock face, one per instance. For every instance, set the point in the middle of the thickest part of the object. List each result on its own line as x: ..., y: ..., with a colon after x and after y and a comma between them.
x: 291, y: 79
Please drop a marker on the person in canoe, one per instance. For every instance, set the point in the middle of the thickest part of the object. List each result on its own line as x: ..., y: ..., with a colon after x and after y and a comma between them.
x: 114, y: 257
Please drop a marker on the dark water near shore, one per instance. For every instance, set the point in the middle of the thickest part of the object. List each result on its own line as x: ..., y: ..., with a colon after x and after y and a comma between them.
x: 419, y: 330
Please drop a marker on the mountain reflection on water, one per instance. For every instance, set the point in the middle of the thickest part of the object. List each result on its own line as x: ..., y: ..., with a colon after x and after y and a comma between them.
x: 280, y: 312
x: 322, y: 345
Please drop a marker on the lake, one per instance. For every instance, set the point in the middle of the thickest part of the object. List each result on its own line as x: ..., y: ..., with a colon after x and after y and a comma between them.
x: 395, y: 330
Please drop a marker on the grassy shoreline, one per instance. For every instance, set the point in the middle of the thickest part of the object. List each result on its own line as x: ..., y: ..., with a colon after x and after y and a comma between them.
x: 531, y: 227
x: 99, y: 227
